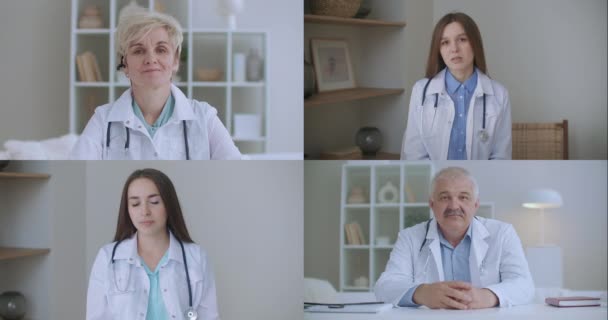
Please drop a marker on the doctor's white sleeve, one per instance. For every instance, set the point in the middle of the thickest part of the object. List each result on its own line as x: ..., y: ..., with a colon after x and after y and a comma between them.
x: 90, y: 143
x: 503, y: 147
x: 516, y: 285
x: 413, y: 147
x: 221, y: 146
x: 97, y: 301
x: 208, y: 309
x: 398, y: 277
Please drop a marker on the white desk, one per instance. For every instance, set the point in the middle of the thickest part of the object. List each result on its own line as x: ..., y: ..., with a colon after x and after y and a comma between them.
x: 531, y: 311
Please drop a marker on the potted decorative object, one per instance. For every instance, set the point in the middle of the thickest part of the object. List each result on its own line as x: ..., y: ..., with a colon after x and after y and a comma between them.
x: 369, y: 139
x: 12, y: 305
x: 3, y: 164
x: 91, y: 18
x: 335, y: 8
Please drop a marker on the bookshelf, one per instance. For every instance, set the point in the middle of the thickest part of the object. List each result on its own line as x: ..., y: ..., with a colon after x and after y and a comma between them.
x: 25, y: 238
x: 395, y: 197
x: 205, y: 49
x: 376, y: 45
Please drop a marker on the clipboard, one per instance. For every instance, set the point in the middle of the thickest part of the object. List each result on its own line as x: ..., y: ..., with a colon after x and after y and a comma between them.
x: 361, y: 307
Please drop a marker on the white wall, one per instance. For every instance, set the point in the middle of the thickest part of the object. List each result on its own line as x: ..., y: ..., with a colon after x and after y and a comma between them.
x: 248, y: 216
x: 551, y: 55
x: 578, y: 227
x: 35, y: 67
x: 34, y: 82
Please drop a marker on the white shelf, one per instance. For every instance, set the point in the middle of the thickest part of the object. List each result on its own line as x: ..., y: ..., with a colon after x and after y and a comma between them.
x: 205, y: 48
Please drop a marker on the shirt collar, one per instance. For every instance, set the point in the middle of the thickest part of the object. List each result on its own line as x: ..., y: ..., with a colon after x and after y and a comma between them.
x: 443, y: 241
x: 452, y: 85
x: 122, y: 110
x: 127, y: 250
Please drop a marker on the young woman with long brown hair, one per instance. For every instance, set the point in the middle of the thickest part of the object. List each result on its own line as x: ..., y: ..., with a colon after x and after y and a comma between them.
x: 153, y: 269
x: 457, y: 112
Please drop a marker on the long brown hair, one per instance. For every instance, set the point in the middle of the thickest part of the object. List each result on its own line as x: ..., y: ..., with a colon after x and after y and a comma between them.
x: 435, y: 62
x: 175, y: 220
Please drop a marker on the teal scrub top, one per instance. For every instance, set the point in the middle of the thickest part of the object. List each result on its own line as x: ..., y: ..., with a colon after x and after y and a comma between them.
x: 156, y: 305
x: 164, y: 117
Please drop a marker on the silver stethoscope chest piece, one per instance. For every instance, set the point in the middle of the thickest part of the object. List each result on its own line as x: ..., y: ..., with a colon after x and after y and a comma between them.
x: 483, y: 135
x: 191, y: 314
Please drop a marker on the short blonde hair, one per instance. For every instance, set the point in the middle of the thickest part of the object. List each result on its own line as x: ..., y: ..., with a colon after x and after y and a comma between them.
x: 137, y: 23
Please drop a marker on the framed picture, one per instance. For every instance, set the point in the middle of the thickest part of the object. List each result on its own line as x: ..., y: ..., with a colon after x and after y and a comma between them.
x: 333, y: 68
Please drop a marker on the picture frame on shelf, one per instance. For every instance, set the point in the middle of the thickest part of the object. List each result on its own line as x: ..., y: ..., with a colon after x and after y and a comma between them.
x: 332, y: 64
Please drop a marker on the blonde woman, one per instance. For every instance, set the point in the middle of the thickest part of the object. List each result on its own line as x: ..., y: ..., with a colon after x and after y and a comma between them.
x: 153, y: 119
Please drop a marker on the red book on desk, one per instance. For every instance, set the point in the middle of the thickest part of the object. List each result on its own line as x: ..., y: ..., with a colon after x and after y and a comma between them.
x: 573, y: 301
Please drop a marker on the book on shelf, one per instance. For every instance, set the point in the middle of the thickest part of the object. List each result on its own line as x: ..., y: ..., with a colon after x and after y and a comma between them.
x: 409, y: 194
x: 576, y: 301
x: 88, y: 68
x: 354, y: 234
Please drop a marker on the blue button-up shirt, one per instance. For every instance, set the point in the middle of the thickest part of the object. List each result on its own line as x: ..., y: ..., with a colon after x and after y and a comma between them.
x: 455, y: 265
x: 461, y: 94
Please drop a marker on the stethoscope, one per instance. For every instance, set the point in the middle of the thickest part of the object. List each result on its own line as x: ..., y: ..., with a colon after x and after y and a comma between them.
x: 483, y: 133
x: 191, y: 313
x: 128, y: 141
x: 428, y: 223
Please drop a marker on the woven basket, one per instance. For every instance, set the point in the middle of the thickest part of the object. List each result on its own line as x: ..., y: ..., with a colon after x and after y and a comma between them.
x: 336, y: 8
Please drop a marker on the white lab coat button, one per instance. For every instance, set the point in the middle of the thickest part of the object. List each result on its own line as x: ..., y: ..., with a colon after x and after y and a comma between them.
x: 145, y: 291
x: 156, y: 154
x: 173, y: 316
x: 141, y: 314
x: 139, y: 126
x: 127, y: 122
x: 165, y: 290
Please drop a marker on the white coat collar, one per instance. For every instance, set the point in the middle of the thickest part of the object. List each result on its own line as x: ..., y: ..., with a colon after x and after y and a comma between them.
x: 478, y: 245
x: 484, y: 84
x: 121, y: 110
x: 127, y: 250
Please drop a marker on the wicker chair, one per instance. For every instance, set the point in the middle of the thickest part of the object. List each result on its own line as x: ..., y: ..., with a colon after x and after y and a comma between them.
x: 540, y: 141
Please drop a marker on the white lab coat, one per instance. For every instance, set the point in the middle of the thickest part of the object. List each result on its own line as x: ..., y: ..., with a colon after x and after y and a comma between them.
x: 207, y: 136
x: 427, y: 135
x: 106, y: 300
x: 496, y: 262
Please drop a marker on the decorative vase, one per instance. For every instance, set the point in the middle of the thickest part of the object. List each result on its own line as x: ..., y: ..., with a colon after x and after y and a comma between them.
x: 12, y: 305
x: 254, y: 66
x: 3, y: 164
x: 309, y: 79
x: 364, y: 10
x: 389, y: 193
x: 369, y: 139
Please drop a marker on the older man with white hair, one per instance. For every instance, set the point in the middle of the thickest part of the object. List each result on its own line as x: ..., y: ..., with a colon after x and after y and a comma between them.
x: 456, y: 260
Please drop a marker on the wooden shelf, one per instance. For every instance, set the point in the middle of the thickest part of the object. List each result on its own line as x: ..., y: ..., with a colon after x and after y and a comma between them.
x: 23, y: 175
x: 15, y: 253
x: 349, y: 95
x: 311, y: 18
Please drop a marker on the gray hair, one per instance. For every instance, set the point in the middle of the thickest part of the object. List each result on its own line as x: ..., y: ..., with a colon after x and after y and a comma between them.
x: 135, y: 23
x: 452, y: 172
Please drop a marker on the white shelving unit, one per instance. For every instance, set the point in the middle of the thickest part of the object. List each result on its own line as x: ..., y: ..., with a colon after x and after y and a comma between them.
x: 377, y: 219
x: 205, y: 47
x: 24, y: 239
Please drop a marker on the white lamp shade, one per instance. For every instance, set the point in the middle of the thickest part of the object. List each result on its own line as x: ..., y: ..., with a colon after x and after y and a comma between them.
x: 543, y: 199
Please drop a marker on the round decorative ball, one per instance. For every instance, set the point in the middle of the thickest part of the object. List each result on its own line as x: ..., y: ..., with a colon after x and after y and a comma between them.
x: 369, y: 139
x: 12, y: 305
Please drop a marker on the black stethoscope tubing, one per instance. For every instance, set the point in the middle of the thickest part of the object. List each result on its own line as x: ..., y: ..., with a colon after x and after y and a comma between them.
x: 483, y: 125
x: 185, y: 268
x: 128, y: 141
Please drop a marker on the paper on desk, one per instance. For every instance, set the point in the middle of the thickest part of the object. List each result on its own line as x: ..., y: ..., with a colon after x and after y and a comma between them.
x: 358, y: 308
